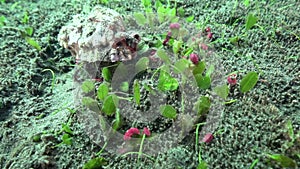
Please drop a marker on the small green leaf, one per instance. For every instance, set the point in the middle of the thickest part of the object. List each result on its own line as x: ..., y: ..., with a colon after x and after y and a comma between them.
x: 167, y: 82
x: 150, y: 18
x: 103, y: 123
x: 246, y: 3
x: 253, y: 164
x: 199, y: 68
x: 222, y: 91
x: 190, y: 18
x: 230, y: 101
x: 3, y: 20
x: 174, y: 19
x: 183, y: 32
x: 234, y: 40
x: 181, y: 65
x: 165, y: 68
x: 248, y: 82
x: 188, y: 51
x: 203, y: 82
x: 67, y: 139
x: 87, y: 86
x: 117, y: 122
x: 87, y: 101
x: 67, y: 129
x: 290, y: 129
x: 283, y: 160
x: 158, y: 4
x: 202, y: 105
x: 33, y: 43
x: 90, y: 103
x: 251, y: 21
x: 106, y: 74
x: 161, y: 13
x: 172, y: 12
x: 181, y: 12
x: 176, y: 46
x: 102, y: 91
x: 142, y: 48
x: 210, y: 70
x: 95, y: 163
x: 110, y: 105
x: 168, y: 111
x: 202, y: 165
x: 141, y: 64
x: 140, y: 18
x: 146, y: 3
x: 136, y: 92
x: 124, y: 87
x: 29, y: 31
x: 163, y: 56
x: 25, y: 18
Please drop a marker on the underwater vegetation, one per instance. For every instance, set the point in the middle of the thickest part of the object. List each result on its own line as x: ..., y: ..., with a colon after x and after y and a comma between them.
x: 158, y: 84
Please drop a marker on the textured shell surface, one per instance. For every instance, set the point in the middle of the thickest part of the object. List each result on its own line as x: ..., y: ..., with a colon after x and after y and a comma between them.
x: 89, y: 37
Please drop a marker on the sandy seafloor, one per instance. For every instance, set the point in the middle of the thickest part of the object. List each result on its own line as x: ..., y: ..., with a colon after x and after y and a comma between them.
x: 253, y: 126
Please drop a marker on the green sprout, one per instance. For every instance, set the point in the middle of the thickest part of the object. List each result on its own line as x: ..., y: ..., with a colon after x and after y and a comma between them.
x: 95, y: 163
x: 102, y: 91
x: 53, y: 78
x: 250, y: 21
x: 283, y: 160
x: 136, y: 92
x: 168, y: 111
x: 248, y: 82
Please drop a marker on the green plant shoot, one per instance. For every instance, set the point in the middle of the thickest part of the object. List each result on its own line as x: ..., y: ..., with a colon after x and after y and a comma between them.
x: 110, y: 105
x: 33, y: 43
x: 142, y: 64
x: 136, y: 92
x: 167, y: 82
x: 140, y: 18
x: 222, y: 91
x: 87, y: 86
x: 181, y: 65
x: 248, y: 82
x: 168, y: 111
x: 202, y: 105
x: 251, y: 21
x: 106, y: 74
x: 163, y: 56
x: 102, y: 91
x: 117, y: 123
x: 283, y: 160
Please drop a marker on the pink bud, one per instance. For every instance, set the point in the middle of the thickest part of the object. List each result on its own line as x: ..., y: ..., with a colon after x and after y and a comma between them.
x: 127, y: 136
x: 209, y: 35
x: 174, y: 26
x: 207, y: 138
x: 130, y: 132
x: 207, y: 29
x: 146, y: 131
x: 231, y: 79
x: 134, y: 130
x: 194, y: 58
x: 165, y: 42
x: 204, y: 46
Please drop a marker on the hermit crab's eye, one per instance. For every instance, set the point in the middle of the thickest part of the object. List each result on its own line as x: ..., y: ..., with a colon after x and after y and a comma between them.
x: 119, y: 44
x: 136, y: 36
